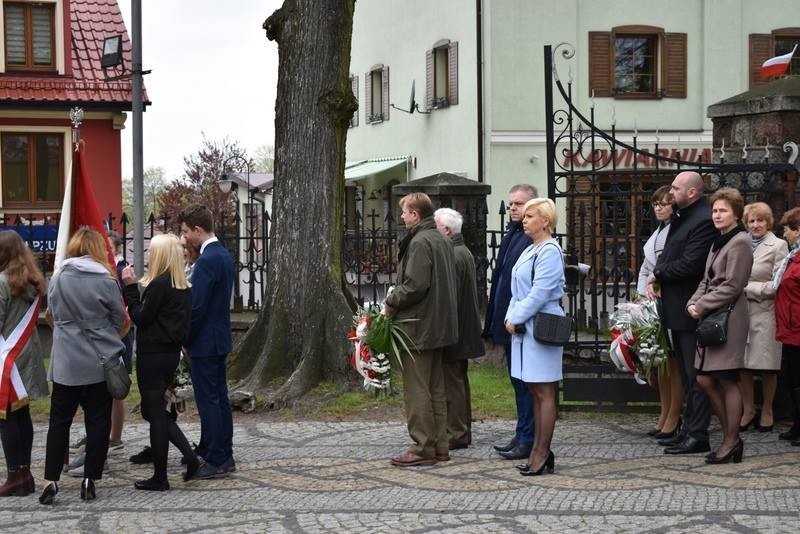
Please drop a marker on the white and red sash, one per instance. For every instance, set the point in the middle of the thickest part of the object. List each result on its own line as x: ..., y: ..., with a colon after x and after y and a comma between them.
x: 12, y: 391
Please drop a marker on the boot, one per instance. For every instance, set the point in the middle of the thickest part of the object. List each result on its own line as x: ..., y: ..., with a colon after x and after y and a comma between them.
x: 15, y: 485
x: 30, y: 485
x: 793, y: 433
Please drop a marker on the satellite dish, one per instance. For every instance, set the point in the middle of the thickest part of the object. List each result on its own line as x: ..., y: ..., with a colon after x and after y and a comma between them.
x: 412, y: 104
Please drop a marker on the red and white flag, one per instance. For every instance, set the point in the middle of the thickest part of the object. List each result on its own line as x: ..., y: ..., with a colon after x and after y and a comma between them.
x: 79, y: 209
x: 777, y: 66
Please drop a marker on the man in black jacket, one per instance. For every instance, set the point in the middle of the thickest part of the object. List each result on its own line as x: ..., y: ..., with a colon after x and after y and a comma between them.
x: 675, y: 278
x: 513, y: 243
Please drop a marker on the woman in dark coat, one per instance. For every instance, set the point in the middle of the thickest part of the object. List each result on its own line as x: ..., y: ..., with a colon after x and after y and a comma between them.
x: 162, y: 315
x: 726, y: 275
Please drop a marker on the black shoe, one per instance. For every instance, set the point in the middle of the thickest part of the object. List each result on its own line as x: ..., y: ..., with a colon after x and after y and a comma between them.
x: 520, y: 452
x: 791, y: 434
x: 744, y: 427
x: 49, y: 493
x: 522, y: 467
x: 455, y: 445
x: 764, y: 429
x: 87, y: 490
x: 734, y: 454
x: 143, y: 457
x: 666, y: 435
x: 151, y: 485
x: 192, y: 466
x: 505, y: 447
x: 229, y: 465
x: 208, y: 470
x: 548, y: 464
x: 674, y: 440
x: 197, y: 452
x: 689, y: 445
x: 795, y: 442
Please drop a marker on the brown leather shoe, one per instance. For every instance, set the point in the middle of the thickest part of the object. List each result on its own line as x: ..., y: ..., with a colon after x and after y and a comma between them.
x: 409, y: 459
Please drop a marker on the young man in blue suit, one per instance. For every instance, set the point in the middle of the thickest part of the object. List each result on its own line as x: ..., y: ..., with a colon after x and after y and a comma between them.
x: 210, y: 340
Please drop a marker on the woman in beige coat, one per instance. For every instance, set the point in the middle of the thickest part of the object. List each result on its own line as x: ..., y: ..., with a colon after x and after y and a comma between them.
x: 763, y: 352
x: 726, y: 275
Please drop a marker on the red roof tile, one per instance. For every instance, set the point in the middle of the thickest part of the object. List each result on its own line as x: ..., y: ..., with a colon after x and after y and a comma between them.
x: 91, y: 22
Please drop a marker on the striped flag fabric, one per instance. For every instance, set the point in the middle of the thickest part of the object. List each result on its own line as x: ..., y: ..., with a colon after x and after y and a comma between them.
x: 777, y: 66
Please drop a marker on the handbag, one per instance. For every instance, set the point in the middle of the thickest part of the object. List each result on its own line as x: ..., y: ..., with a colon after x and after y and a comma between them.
x: 552, y: 329
x: 712, y: 330
x: 118, y: 381
x: 549, y: 328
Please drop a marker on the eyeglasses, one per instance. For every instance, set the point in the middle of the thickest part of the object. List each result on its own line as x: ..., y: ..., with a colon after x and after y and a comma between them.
x: 661, y: 204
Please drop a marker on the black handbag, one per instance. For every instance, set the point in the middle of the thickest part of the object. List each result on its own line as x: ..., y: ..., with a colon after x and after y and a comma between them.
x: 712, y: 330
x: 552, y: 329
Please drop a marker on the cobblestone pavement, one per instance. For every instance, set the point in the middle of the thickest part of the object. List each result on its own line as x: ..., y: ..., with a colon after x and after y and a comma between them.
x: 335, y: 477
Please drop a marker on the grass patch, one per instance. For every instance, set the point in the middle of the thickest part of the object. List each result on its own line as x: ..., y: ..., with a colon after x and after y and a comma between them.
x: 492, y: 394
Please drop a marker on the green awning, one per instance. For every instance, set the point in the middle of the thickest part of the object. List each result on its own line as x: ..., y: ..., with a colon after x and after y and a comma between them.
x: 359, y: 169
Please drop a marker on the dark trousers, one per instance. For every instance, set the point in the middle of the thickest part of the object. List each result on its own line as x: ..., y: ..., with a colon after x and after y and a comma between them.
x: 64, y: 401
x: 459, y: 408
x: 791, y: 370
x: 697, y: 410
x: 210, y: 382
x: 16, y: 432
x: 154, y: 372
x: 524, y: 400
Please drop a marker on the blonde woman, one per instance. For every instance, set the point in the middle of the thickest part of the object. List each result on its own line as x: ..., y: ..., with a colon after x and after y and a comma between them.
x: 763, y: 352
x: 161, y: 313
x: 537, y: 285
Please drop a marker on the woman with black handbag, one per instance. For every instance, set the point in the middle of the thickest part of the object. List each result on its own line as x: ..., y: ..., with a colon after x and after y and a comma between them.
x: 162, y: 314
x: 727, y: 273
x: 88, y: 315
x: 537, y: 285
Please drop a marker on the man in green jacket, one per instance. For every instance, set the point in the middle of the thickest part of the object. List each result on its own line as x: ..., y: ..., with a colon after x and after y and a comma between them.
x: 426, y: 293
x: 470, y: 344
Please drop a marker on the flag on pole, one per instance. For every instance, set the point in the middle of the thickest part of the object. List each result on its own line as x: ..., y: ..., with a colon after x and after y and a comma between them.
x: 79, y: 209
x: 777, y: 66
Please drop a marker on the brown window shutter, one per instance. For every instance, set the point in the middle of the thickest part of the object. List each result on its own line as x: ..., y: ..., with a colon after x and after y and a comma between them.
x: 385, y: 94
x: 367, y: 96
x: 762, y: 47
x: 600, y: 63
x: 673, y: 71
x: 452, y: 74
x: 354, y: 88
x: 429, y: 75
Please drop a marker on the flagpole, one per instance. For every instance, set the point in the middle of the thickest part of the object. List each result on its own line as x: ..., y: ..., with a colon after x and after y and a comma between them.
x: 138, y: 165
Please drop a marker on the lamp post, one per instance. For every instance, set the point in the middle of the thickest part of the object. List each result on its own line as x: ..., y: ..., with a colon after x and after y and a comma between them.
x: 225, y: 185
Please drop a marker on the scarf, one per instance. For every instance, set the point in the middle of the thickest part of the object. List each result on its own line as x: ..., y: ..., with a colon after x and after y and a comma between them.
x: 722, y: 239
x: 776, y: 280
x: 758, y: 241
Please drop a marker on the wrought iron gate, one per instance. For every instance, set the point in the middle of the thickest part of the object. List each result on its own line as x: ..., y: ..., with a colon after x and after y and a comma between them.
x: 604, y: 187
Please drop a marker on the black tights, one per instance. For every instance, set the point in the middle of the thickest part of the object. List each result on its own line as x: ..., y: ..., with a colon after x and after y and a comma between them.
x: 154, y: 371
x: 16, y: 432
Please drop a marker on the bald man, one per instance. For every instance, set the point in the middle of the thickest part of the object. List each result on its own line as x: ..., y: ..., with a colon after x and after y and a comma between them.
x: 675, y: 278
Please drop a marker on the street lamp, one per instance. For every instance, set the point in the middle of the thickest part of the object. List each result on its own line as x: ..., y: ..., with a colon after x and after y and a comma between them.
x: 226, y: 185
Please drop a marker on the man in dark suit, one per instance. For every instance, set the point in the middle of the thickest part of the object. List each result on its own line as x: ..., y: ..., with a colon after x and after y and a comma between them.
x: 210, y: 340
x: 513, y: 243
x: 675, y: 278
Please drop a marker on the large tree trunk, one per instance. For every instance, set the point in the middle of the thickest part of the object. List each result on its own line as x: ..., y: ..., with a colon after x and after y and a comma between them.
x: 301, y: 332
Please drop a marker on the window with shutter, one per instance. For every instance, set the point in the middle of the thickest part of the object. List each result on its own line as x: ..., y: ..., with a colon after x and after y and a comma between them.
x: 377, y: 94
x: 29, y: 36
x: 441, y: 75
x: 32, y: 169
x: 763, y: 46
x: 354, y: 88
x: 637, y: 62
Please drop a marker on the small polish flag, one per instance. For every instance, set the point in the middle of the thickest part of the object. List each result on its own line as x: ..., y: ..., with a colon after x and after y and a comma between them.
x: 777, y: 66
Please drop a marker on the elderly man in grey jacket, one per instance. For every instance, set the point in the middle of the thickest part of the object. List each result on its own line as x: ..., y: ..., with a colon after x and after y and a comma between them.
x: 469, y: 345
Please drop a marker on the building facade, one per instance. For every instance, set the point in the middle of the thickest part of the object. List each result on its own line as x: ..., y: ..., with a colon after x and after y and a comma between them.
x: 653, y: 68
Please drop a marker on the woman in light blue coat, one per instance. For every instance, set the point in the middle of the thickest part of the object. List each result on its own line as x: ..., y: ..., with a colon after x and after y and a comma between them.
x: 537, y: 285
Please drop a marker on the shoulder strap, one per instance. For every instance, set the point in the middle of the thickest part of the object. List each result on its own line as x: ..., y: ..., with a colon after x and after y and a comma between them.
x: 533, y: 263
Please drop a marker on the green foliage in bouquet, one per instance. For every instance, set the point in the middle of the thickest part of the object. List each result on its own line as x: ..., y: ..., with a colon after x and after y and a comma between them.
x: 386, y: 335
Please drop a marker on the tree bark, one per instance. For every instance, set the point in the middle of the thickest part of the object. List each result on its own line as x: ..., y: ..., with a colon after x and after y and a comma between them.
x: 301, y: 331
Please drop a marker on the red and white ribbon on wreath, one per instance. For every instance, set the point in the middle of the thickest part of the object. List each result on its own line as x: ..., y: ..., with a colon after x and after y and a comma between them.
x: 12, y: 390
x: 620, y: 354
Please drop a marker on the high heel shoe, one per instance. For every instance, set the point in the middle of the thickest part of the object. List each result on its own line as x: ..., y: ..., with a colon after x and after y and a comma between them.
x: 49, y: 493
x: 667, y: 435
x: 523, y: 467
x: 735, y: 454
x: 756, y: 417
x: 87, y: 490
x: 548, y: 464
x: 192, y: 465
